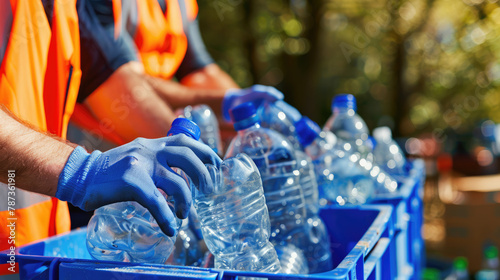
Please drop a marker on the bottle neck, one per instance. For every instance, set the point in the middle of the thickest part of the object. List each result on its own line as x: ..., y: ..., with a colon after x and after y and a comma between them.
x: 492, y: 263
x: 385, y: 140
x: 248, y: 128
x: 317, y: 147
x: 344, y: 110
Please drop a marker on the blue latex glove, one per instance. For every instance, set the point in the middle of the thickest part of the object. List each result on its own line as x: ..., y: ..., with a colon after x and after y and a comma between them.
x: 134, y: 171
x: 255, y: 94
x: 194, y: 223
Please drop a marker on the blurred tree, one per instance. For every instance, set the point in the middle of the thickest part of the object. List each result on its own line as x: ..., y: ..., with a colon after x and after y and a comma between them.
x: 415, y: 65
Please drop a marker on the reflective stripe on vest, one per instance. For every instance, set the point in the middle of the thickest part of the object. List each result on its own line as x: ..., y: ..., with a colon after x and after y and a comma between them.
x: 39, y: 81
x: 34, y: 222
x: 23, y: 198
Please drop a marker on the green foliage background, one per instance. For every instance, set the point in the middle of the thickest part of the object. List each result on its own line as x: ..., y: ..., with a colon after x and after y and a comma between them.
x: 415, y: 65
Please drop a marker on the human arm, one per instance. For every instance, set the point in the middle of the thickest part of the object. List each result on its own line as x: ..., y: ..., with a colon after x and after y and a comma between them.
x: 116, y: 90
x: 138, y: 104
x: 201, y: 81
x: 36, y: 157
x: 178, y: 95
x: 141, y: 105
x: 209, y: 77
x: 129, y: 103
x: 198, y: 69
x: 134, y: 171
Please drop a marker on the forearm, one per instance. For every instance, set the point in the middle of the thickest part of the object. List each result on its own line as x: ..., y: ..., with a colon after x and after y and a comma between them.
x: 209, y: 77
x: 139, y: 105
x: 130, y: 105
x: 203, y: 86
x: 37, y: 158
x: 178, y: 96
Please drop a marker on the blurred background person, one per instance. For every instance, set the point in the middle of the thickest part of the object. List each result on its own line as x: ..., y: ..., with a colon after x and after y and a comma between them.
x: 40, y: 78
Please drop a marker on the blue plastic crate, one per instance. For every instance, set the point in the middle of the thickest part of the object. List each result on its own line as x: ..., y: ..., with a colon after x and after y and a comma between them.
x: 361, y: 242
x: 408, y: 217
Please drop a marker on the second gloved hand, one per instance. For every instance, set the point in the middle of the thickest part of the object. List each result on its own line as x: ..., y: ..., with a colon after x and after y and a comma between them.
x: 134, y: 172
x: 257, y: 94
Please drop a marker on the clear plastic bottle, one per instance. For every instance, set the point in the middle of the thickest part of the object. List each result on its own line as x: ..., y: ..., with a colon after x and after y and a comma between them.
x: 272, y: 116
x: 188, y: 247
x: 431, y: 274
x: 342, y: 178
x: 276, y: 160
x: 460, y: 270
x: 292, y: 260
x: 348, y: 126
x: 316, y: 241
x: 127, y: 232
x: 234, y: 217
x: 206, y: 120
x: 277, y: 118
x: 387, y: 153
x: 491, y: 265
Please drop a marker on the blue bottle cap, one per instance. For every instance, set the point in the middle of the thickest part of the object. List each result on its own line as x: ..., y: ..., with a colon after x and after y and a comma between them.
x: 185, y: 126
x: 344, y: 100
x: 307, y: 130
x: 244, y: 115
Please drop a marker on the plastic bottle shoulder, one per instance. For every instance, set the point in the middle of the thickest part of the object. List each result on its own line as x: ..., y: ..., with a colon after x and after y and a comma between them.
x: 348, y: 125
x: 265, y: 146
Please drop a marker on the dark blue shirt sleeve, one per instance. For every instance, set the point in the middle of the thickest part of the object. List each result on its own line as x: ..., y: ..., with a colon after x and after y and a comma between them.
x: 101, y: 53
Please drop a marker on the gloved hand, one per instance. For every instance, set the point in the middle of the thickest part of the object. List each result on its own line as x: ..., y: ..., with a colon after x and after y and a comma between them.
x: 255, y: 94
x: 194, y: 223
x: 134, y: 171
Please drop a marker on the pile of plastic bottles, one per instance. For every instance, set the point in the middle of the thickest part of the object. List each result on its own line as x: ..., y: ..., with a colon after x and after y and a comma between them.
x: 490, y: 269
x: 277, y: 172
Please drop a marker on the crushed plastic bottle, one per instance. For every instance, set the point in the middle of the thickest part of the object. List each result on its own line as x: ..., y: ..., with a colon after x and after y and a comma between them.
x: 234, y: 217
x: 316, y: 243
x: 127, y: 232
x: 387, y: 153
x: 348, y: 126
x: 276, y: 160
x: 206, y: 120
x: 342, y: 178
x: 188, y: 248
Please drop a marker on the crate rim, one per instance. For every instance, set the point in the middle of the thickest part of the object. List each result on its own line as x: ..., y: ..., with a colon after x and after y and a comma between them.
x: 362, y: 249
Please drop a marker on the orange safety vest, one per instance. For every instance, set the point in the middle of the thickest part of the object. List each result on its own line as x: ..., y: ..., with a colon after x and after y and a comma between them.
x: 39, y: 82
x: 161, y: 43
